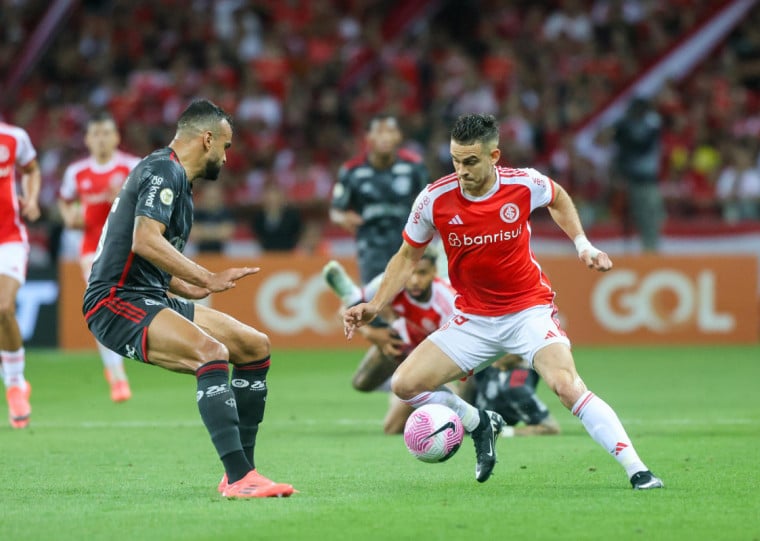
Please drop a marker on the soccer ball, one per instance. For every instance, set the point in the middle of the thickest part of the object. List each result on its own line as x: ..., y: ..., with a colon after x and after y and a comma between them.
x: 433, y: 433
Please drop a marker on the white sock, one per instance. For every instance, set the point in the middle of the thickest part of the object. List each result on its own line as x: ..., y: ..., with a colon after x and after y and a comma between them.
x: 13, y: 368
x: 603, y: 425
x: 113, y: 362
x: 442, y: 395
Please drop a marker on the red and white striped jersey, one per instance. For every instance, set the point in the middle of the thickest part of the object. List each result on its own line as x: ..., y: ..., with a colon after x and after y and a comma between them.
x: 93, y: 185
x: 15, y: 148
x: 487, y: 240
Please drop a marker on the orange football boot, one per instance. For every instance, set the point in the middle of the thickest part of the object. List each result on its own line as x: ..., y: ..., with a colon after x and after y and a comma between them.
x: 19, y: 409
x: 255, y: 485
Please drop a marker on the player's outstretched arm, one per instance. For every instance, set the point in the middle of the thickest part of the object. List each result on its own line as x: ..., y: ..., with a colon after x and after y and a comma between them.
x: 396, y: 274
x: 186, y: 290
x: 565, y: 215
x: 149, y: 243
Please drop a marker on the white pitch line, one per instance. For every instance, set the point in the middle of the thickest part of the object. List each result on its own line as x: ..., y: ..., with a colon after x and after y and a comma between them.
x: 349, y: 422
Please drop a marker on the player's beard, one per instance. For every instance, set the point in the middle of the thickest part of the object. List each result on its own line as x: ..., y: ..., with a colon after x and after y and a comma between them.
x: 213, y: 168
x: 424, y: 296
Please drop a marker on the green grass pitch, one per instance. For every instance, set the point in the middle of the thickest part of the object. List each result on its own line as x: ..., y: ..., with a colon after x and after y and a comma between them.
x: 88, y: 469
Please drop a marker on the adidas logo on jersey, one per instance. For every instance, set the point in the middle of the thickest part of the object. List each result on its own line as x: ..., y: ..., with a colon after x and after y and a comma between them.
x: 456, y: 220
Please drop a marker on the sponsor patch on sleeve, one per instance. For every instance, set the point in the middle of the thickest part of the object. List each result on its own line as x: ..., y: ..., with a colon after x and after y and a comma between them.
x: 166, y: 196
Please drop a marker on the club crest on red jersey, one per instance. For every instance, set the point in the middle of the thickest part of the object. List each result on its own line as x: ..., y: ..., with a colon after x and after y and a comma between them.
x: 509, y: 213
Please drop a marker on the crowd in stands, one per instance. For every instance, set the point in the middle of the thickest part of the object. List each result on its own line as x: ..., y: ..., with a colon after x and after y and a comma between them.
x: 302, y: 78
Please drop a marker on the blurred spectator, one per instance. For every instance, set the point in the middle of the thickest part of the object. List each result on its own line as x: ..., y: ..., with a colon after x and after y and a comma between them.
x: 310, y: 74
x: 738, y: 187
x: 637, y: 161
x: 277, y: 224
x: 213, y: 223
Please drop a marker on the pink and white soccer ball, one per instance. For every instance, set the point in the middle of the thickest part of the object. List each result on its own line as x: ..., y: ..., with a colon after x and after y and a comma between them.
x: 433, y: 433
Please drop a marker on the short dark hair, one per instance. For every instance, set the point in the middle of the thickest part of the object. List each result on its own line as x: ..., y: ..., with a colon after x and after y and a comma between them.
x: 202, y: 115
x: 475, y: 128
x: 100, y: 116
x: 431, y: 254
x: 381, y: 117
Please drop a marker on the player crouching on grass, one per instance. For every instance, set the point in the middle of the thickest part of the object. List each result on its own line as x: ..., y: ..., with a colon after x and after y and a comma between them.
x: 426, y: 303
x: 139, y: 260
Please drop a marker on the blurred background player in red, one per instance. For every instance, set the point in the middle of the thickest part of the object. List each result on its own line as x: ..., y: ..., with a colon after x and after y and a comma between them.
x: 89, y: 187
x: 426, y: 303
x: 16, y: 149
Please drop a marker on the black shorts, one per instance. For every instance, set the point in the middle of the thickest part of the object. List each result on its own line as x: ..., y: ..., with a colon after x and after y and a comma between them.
x: 120, y: 322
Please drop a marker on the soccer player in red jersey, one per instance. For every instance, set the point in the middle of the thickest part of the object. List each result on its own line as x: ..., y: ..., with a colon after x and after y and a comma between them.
x: 89, y: 187
x: 16, y: 150
x: 505, y: 302
x: 426, y: 303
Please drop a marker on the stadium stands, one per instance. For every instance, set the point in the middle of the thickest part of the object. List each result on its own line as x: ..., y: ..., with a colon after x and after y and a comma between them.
x: 302, y: 77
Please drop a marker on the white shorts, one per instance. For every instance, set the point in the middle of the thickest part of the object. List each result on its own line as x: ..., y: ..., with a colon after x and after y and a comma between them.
x: 14, y: 257
x: 474, y: 342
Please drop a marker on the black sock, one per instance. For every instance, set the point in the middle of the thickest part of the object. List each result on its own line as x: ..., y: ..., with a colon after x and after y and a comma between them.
x: 216, y: 404
x: 249, y: 386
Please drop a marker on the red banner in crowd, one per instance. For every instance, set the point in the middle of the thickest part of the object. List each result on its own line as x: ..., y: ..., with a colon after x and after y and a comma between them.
x: 643, y: 300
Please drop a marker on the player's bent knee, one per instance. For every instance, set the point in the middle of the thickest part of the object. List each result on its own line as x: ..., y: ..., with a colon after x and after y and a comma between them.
x: 212, y: 350
x: 567, y: 388
x: 249, y: 346
x: 7, y: 309
x: 404, y: 388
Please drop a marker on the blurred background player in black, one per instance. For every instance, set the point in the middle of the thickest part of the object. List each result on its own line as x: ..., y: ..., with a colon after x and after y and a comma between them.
x: 374, y: 194
x: 508, y: 387
x: 372, y: 200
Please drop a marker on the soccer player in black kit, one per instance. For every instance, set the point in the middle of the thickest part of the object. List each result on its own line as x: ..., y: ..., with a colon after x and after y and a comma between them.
x: 139, y: 260
x: 372, y: 200
x: 374, y: 194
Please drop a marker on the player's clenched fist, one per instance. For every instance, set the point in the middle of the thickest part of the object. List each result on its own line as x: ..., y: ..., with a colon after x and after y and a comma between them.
x: 600, y: 261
